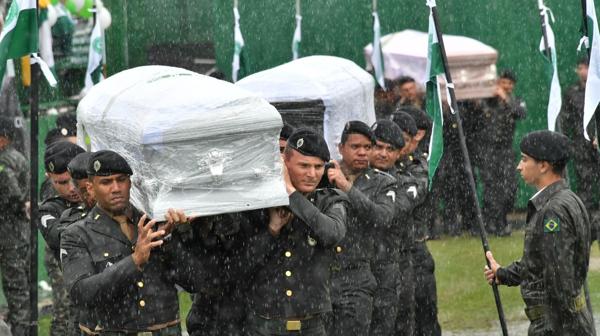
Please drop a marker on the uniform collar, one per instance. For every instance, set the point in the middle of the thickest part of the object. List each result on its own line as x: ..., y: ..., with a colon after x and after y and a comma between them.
x: 542, y: 197
x: 104, y: 224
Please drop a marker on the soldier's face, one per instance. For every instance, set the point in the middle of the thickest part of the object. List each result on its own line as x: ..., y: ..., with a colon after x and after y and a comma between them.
x: 408, y: 148
x: 64, y: 187
x: 582, y: 72
x: 355, y: 152
x: 305, y: 171
x: 383, y: 156
x: 506, y: 84
x: 408, y: 91
x: 282, y: 144
x: 82, y: 190
x: 530, y: 169
x: 111, y: 192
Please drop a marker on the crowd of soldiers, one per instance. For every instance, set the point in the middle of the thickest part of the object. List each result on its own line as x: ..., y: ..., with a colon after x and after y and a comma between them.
x: 348, y: 256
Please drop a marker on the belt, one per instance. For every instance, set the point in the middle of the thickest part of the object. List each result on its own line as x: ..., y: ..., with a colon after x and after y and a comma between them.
x: 164, y: 329
x: 284, y: 325
x: 538, y: 311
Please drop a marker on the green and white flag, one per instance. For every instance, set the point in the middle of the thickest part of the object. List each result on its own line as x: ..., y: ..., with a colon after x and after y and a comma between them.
x: 239, y: 63
x: 93, y: 74
x: 435, y: 68
x: 592, y: 86
x: 555, y: 99
x: 19, y: 35
x: 45, y: 37
x: 377, y: 55
x: 297, y: 38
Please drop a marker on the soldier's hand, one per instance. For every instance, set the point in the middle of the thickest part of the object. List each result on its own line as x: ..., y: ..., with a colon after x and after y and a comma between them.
x: 490, y: 272
x: 278, y: 218
x: 147, y: 239
x: 173, y: 218
x: 337, y: 177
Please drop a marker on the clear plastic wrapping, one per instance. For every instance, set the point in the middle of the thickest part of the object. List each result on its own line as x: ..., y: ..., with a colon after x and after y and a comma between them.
x: 194, y: 142
x: 472, y: 63
x: 345, y: 89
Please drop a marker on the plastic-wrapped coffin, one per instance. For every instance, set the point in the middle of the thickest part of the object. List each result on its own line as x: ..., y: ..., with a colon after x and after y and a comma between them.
x: 345, y: 89
x: 194, y: 142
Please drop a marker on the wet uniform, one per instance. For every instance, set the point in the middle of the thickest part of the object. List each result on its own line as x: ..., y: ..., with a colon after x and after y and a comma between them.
x: 372, y: 199
x: 14, y: 241
x: 114, y: 297
x: 554, y: 265
x: 290, y: 293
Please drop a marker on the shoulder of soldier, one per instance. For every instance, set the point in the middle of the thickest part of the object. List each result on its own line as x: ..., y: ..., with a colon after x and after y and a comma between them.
x: 562, y: 209
x: 53, y: 202
x: 73, y: 214
x: 329, y: 193
x: 386, y: 177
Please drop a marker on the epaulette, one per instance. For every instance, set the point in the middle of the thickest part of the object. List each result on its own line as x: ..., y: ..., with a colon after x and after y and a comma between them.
x: 380, y: 172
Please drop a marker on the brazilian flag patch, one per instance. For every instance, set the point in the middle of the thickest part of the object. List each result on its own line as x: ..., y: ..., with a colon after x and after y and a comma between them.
x: 551, y: 225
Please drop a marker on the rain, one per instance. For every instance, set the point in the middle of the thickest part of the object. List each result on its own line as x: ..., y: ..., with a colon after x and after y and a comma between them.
x: 284, y: 167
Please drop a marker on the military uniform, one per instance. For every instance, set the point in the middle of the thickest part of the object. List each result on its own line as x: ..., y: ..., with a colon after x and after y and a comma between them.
x: 14, y: 246
x: 494, y: 156
x: 372, y: 209
x: 554, y: 265
x: 586, y: 159
x: 114, y: 297
x: 426, y: 322
x: 290, y: 293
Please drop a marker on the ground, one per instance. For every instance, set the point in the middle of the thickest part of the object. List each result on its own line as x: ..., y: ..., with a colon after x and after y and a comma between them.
x: 466, y: 302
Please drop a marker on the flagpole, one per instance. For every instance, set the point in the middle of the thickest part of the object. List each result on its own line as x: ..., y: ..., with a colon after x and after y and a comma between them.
x: 33, y: 194
x: 467, y: 161
x: 544, y: 28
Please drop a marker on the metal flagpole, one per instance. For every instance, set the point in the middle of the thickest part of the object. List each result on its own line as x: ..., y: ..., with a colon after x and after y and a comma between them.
x: 467, y: 161
x: 33, y: 195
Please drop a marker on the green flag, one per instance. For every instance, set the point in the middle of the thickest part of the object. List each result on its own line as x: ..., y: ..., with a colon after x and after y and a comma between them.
x: 19, y: 35
x: 93, y: 74
x: 435, y: 68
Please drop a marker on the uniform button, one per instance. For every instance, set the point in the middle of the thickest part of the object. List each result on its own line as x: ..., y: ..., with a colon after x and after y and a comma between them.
x: 142, y: 303
x: 140, y: 284
x: 454, y: 125
x: 289, y: 292
x: 288, y: 254
x: 106, y: 254
x: 338, y: 249
x: 288, y: 273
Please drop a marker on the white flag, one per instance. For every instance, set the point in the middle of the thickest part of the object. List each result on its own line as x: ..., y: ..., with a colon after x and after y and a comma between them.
x: 592, y: 86
x: 377, y: 55
x: 297, y: 38
x: 238, y: 41
x: 93, y: 73
x: 555, y: 99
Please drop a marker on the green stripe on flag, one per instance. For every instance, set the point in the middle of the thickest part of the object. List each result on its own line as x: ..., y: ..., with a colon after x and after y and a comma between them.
x: 18, y: 38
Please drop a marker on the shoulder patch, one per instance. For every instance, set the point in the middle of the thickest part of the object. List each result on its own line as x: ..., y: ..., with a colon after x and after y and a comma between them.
x: 551, y: 225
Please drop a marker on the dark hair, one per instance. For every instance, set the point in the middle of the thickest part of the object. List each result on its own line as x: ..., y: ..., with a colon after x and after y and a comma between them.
x: 558, y: 167
x: 508, y: 74
x: 583, y: 61
x: 404, y: 79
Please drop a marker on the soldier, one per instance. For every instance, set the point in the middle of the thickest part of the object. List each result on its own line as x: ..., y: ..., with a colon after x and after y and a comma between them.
x: 493, y: 152
x: 414, y: 167
x: 290, y: 293
x: 423, y: 123
x: 408, y: 92
x: 372, y: 194
x: 122, y: 277
x: 56, y: 158
x: 14, y: 247
x: 285, y: 133
x: 392, y: 267
x: 554, y: 265
x: 586, y: 159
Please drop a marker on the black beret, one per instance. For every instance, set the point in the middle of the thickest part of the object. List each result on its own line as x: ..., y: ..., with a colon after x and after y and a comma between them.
x: 286, y: 131
x: 358, y: 127
x: 508, y: 74
x: 388, y: 132
x: 7, y: 127
x: 78, y: 166
x: 309, y: 143
x: 58, y: 155
x: 422, y: 120
x: 547, y: 146
x: 53, y: 135
x: 67, y: 124
x: 405, y: 122
x: 106, y: 163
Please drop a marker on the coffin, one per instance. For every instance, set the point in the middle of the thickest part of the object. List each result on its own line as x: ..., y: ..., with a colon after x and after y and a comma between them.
x: 194, y: 142
x: 472, y: 63
x: 321, y: 92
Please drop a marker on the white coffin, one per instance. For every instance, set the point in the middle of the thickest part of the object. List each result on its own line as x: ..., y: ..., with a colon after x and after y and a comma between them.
x: 194, y: 142
x: 472, y: 63
x: 345, y: 89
